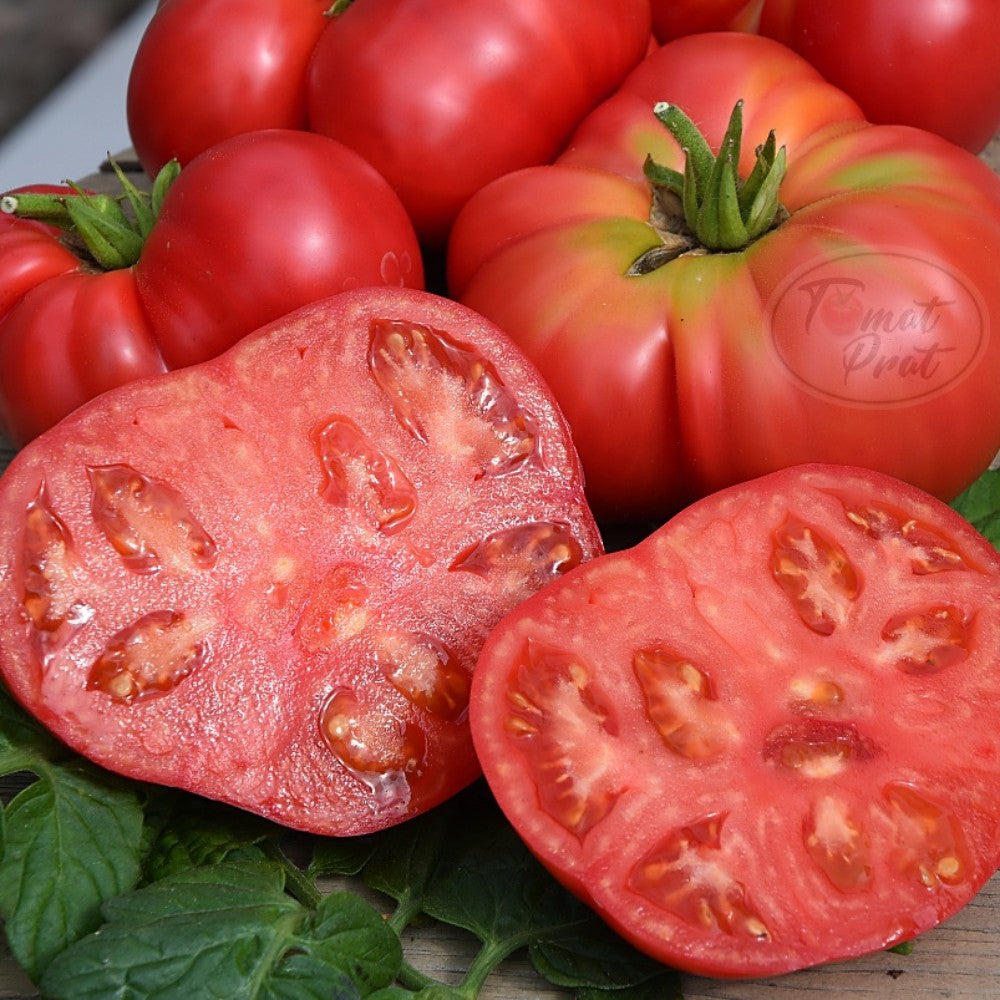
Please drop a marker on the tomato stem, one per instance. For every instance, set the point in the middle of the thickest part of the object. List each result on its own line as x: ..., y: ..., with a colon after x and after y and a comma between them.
x: 111, y: 236
x: 720, y: 211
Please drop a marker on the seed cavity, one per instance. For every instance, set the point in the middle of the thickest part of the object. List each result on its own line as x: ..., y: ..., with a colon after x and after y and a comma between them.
x: 426, y: 672
x: 816, y: 575
x: 528, y: 555
x: 357, y: 473
x: 681, y: 703
x: 148, y: 522
x: 928, y: 640
x: 818, y: 748
x: 555, y: 707
x: 688, y: 875
x: 150, y: 657
x: 51, y: 603
x: 928, y: 551
x: 428, y: 377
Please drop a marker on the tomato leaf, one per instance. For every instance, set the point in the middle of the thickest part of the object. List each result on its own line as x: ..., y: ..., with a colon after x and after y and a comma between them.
x: 70, y: 840
x: 490, y: 885
x: 341, y: 855
x: 980, y: 505
x: 664, y: 987
x: 211, y: 834
x: 228, y: 930
x: 405, y: 859
x: 22, y: 740
x: 596, y: 960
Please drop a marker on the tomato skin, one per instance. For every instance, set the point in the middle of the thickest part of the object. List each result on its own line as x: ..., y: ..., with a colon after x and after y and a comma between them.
x: 265, y: 578
x: 30, y: 253
x: 87, y: 332
x: 899, y: 61
x: 236, y: 245
x: 442, y: 96
x: 675, y: 18
x: 187, y: 90
x: 736, y: 791
x: 712, y: 379
x: 263, y: 223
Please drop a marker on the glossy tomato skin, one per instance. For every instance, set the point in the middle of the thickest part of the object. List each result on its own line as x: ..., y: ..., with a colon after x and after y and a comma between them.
x: 206, y: 70
x: 711, y: 368
x: 260, y: 224
x: 927, y: 64
x: 442, y: 96
x: 728, y: 739
x: 266, y: 578
x: 675, y: 18
x: 86, y: 332
x: 30, y: 253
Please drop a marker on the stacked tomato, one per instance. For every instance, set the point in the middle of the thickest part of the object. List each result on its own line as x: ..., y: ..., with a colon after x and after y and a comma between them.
x: 420, y: 288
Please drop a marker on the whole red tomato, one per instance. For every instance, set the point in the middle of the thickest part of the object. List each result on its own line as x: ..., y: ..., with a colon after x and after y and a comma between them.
x: 445, y: 95
x: 688, y: 356
x: 439, y: 95
x: 674, y: 18
x: 924, y: 63
x: 249, y: 230
x: 260, y: 224
x: 206, y: 70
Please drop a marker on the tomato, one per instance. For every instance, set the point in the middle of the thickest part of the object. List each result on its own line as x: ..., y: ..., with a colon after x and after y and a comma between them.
x: 442, y: 96
x: 688, y: 358
x: 764, y: 737
x: 266, y: 578
x: 206, y: 70
x: 236, y: 244
x: 674, y: 18
x: 900, y: 61
x: 300, y: 217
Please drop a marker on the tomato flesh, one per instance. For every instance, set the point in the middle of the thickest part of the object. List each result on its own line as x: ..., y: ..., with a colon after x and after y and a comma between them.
x: 266, y: 578
x: 763, y: 737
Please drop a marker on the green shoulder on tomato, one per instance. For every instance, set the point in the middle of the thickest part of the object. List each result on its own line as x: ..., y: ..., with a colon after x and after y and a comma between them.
x: 852, y: 326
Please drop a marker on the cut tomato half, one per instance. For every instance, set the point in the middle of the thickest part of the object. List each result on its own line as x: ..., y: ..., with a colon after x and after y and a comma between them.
x: 266, y: 579
x: 765, y: 737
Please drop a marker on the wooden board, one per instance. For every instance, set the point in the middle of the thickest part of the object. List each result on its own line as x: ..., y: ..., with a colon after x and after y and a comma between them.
x: 960, y: 960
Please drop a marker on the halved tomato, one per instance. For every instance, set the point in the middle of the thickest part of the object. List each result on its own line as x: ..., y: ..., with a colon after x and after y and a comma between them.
x: 765, y: 737
x: 266, y: 578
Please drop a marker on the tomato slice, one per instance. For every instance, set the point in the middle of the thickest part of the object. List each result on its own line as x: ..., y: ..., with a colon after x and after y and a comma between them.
x: 266, y: 579
x: 764, y: 737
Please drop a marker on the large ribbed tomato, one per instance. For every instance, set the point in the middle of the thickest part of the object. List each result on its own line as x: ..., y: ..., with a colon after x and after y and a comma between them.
x: 442, y: 96
x: 841, y: 311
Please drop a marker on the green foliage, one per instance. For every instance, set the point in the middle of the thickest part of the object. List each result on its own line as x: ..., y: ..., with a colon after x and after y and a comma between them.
x: 980, y: 505
x: 71, y: 841
x: 112, y: 888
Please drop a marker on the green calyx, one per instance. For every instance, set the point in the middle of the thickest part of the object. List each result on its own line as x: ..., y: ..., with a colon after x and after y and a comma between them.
x: 719, y: 210
x: 112, y: 236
